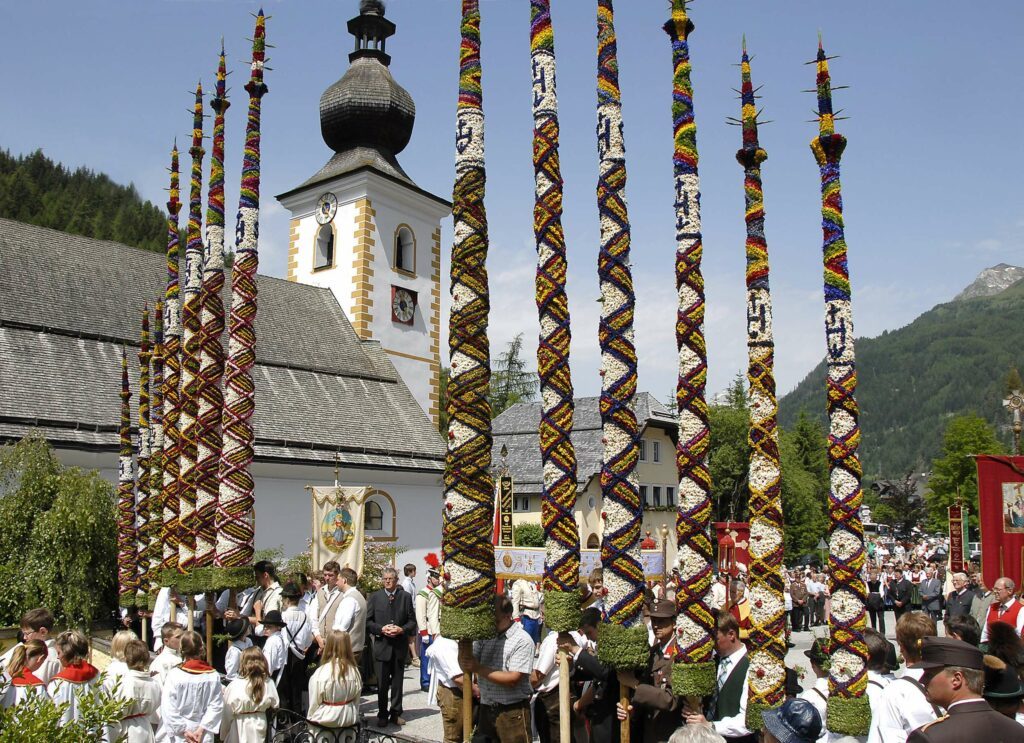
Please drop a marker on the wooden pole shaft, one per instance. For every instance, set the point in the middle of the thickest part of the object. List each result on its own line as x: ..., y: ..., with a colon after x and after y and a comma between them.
x: 145, y: 638
x: 624, y: 725
x: 564, y: 711
x: 191, y: 613
x: 465, y: 653
x: 209, y: 628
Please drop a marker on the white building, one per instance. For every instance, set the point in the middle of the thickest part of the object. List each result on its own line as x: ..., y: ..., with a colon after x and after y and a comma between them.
x: 341, y: 370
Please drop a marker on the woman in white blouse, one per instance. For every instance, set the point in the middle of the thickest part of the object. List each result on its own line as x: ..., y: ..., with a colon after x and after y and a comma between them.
x: 335, y: 686
x: 247, y: 699
x: 192, y: 699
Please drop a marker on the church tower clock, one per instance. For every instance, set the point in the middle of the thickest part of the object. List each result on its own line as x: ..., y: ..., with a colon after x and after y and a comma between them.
x: 361, y: 227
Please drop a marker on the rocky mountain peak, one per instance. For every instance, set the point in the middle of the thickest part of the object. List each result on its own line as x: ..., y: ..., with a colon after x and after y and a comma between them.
x: 992, y: 281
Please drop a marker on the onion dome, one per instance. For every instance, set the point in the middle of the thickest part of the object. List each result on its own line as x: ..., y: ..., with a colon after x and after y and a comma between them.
x: 366, y: 107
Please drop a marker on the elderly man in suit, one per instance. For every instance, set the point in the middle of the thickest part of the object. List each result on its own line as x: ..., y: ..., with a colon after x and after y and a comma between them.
x: 899, y: 591
x: 931, y: 594
x: 390, y: 621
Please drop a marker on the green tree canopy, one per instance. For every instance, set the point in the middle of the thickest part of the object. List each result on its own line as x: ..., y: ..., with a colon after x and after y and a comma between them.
x: 57, y: 537
x: 954, y: 473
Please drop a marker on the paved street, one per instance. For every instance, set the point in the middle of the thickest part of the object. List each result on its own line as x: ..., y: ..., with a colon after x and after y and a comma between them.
x: 424, y: 723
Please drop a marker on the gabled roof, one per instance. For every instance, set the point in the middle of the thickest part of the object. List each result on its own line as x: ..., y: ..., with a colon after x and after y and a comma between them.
x: 516, y: 428
x: 69, y: 303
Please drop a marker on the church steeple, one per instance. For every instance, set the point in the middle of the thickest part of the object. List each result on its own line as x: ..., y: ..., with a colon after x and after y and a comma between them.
x: 366, y: 107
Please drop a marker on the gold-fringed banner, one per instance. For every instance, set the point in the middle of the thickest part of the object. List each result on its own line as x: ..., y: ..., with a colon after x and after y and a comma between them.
x: 338, y: 525
x: 505, y: 494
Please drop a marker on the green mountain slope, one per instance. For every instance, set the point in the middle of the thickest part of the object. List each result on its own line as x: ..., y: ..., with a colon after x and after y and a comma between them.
x: 952, y: 359
x: 36, y: 190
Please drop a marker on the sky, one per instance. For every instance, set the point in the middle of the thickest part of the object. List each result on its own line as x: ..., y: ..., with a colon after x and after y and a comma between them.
x: 933, y: 105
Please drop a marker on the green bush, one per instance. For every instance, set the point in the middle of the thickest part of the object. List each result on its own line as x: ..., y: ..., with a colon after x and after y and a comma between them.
x: 58, y: 537
x: 38, y: 720
x: 528, y: 535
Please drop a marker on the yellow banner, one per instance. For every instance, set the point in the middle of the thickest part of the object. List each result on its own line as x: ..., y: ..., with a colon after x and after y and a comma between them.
x: 338, y: 526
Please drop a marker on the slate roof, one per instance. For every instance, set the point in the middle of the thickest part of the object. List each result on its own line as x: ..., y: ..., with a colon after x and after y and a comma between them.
x: 69, y: 303
x: 516, y: 428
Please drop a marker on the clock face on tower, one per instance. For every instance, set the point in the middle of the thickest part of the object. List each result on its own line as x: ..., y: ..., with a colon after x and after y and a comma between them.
x: 326, y: 208
x: 403, y: 305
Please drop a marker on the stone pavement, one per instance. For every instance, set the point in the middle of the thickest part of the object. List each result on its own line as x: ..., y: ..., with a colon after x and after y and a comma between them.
x: 423, y: 723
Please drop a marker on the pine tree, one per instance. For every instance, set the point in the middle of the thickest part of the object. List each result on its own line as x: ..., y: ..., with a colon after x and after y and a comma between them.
x: 511, y: 381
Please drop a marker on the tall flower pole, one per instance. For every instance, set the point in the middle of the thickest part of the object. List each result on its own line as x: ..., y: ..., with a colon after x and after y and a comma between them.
x: 623, y: 637
x: 153, y: 550
x: 191, y: 338
x: 143, y: 502
x: 767, y: 678
x: 235, y: 515
x: 127, y: 577
x: 558, y: 507
x: 848, y: 709
x: 562, y: 561
x: 211, y: 363
x: 169, y: 528
x: 467, y: 521
x: 694, y: 672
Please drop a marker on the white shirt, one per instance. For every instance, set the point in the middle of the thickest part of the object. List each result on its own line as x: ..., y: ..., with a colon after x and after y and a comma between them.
x: 547, y: 660
x: 343, y: 695
x: 443, y: 656
x: 904, y: 709
x: 61, y: 690
x: 163, y: 663
x: 735, y: 726
x: 877, y: 689
x: 298, y: 634
x: 409, y: 584
x: 275, y: 650
x: 245, y: 719
x: 190, y: 701
x: 138, y: 719
x: 234, y: 657
x: 313, y: 610
x: 818, y: 696
x: 345, y: 617
x: 1018, y: 626
x: 717, y: 595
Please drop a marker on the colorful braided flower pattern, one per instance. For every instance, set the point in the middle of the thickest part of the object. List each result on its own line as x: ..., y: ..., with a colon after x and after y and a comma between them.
x: 694, y: 672
x: 561, y: 532
x: 211, y: 362
x: 171, y: 398
x: 468, y: 517
x: 127, y: 577
x: 150, y: 547
x: 144, y: 502
x: 623, y: 638
x: 767, y: 677
x: 848, y: 710
x: 190, y: 344
x: 235, y: 514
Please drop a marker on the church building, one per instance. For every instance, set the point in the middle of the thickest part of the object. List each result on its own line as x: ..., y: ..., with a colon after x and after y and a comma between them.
x: 347, y: 347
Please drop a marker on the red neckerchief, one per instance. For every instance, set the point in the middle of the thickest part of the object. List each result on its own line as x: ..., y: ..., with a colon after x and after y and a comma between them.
x: 78, y: 673
x: 27, y: 678
x: 195, y: 666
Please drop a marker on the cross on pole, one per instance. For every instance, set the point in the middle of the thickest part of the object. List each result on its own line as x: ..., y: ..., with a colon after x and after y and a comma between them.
x: 1014, y: 403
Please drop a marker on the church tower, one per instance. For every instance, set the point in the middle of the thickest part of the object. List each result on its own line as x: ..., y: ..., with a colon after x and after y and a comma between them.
x: 361, y: 227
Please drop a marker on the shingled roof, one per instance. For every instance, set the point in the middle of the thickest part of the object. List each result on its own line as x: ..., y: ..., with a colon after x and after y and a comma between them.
x: 68, y: 304
x: 516, y: 428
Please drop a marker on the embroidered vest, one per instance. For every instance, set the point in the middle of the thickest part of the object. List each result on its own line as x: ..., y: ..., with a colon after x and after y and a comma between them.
x: 1009, y: 616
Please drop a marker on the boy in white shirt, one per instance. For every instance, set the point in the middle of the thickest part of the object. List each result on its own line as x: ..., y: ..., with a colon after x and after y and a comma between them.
x: 169, y: 656
x: 275, y: 649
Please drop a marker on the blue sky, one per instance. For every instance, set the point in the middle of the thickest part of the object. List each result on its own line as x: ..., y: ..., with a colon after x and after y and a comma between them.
x: 933, y: 102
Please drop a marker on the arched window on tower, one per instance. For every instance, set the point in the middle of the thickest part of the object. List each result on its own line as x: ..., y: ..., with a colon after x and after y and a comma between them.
x: 405, y: 250
x: 324, y: 254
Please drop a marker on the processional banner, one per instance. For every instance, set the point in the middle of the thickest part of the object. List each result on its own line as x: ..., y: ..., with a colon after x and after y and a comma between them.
x: 956, y: 538
x: 338, y: 525
x: 514, y: 563
x: 1001, y: 517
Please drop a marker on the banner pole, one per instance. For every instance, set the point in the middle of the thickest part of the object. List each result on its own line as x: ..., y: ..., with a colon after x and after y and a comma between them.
x: 564, y: 712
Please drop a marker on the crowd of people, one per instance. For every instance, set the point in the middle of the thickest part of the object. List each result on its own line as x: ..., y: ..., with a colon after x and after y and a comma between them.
x: 316, y: 645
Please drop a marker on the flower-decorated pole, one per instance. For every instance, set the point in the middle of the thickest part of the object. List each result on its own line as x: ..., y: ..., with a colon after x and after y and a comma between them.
x: 561, y: 532
x: 235, y: 516
x: 190, y: 344
x: 211, y: 362
x: 144, y: 502
x: 694, y: 672
x: 467, y: 522
x: 767, y: 676
x: 127, y: 575
x: 153, y: 551
x: 623, y: 637
x: 169, y: 527
x: 848, y: 710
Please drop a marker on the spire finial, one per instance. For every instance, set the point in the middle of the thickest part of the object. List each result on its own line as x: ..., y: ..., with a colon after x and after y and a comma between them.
x: 751, y: 154
x: 826, y: 119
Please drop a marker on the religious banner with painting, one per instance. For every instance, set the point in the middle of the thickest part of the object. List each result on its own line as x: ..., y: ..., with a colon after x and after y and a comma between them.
x: 956, y: 538
x: 338, y: 525
x: 513, y: 563
x: 1001, y: 517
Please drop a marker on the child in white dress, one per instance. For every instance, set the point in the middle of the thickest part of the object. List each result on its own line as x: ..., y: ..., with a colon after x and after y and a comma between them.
x: 247, y: 699
x: 141, y: 690
x: 335, y: 687
x: 19, y: 679
x: 192, y: 699
x: 77, y: 677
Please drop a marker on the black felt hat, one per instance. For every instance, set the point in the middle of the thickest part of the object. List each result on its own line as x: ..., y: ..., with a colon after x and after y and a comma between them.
x: 1001, y: 683
x: 236, y: 628
x: 273, y: 619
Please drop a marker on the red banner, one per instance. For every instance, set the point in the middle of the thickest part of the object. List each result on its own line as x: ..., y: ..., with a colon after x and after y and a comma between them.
x: 956, y: 538
x: 1001, y: 517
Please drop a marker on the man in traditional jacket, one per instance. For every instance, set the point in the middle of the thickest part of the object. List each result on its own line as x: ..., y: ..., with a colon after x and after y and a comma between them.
x: 324, y: 606
x: 1004, y: 608
x: 428, y: 619
x: 727, y: 706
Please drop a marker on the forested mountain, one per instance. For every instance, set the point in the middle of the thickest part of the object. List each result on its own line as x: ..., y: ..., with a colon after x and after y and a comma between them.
x: 952, y: 359
x: 36, y: 190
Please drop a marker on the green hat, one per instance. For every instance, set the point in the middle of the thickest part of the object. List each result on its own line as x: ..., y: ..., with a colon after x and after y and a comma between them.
x: 938, y: 652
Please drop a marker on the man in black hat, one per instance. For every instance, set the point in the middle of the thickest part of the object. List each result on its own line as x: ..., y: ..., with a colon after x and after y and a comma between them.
x: 954, y: 678
x: 652, y: 691
x: 1003, y: 689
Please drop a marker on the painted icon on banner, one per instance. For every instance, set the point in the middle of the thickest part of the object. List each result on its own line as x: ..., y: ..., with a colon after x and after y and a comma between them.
x: 1013, y: 507
x: 336, y: 529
